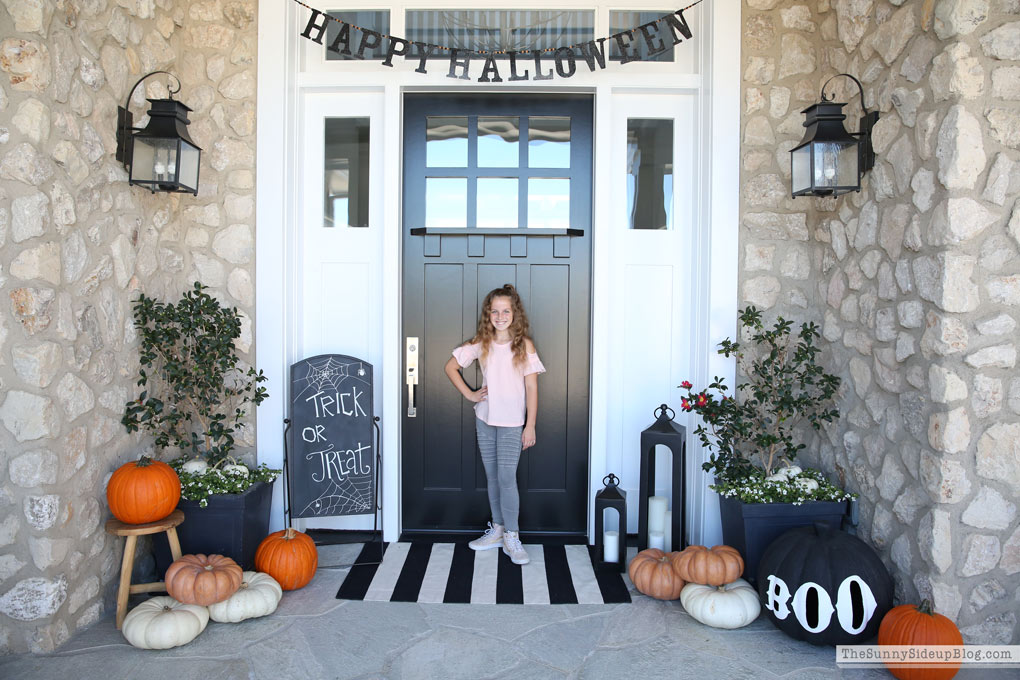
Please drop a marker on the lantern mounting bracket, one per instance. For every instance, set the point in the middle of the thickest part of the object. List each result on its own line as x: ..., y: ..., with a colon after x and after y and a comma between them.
x: 125, y: 121
x: 866, y: 152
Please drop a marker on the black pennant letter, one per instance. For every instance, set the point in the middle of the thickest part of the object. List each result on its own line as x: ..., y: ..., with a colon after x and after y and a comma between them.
x: 318, y: 28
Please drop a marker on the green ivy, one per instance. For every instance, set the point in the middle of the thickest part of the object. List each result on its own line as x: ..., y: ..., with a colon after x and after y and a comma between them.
x: 751, y: 433
x: 194, y: 394
x: 199, y: 486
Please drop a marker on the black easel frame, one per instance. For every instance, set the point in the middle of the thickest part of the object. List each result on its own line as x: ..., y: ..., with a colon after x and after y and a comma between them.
x: 376, y: 495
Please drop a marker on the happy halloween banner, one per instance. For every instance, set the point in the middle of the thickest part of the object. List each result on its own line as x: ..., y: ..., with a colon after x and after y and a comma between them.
x: 653, y: 38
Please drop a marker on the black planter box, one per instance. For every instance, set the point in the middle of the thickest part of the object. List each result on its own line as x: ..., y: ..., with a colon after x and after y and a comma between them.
x: 231, y: 525
x: 751, y: 527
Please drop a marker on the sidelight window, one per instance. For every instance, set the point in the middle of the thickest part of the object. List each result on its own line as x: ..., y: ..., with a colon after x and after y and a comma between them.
x: 346, y: 172
x: 649, y: 173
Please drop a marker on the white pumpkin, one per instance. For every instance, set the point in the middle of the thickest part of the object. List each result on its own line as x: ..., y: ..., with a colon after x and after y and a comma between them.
x: 162, y: 622
x: 239, y: 470
x: 806, y: 483
x: 733, y: 605
x: 792, y: 471
x: 195, y: 466
x: 258, y: 595
x: 777, y: 477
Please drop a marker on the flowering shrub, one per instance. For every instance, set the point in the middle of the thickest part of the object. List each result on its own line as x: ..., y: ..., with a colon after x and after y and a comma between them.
x: 750, y: 434
x: 758, y: 489
x: 197, y: 485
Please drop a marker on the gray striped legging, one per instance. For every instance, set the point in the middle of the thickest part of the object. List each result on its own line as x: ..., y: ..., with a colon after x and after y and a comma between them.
x: 501, y: 450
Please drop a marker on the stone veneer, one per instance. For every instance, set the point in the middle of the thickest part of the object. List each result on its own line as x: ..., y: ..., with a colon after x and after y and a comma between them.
x: 915, y: 280
x: 77, y: 245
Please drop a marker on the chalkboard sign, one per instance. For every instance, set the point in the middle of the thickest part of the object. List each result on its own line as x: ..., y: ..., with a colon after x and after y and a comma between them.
x: 331, y: 463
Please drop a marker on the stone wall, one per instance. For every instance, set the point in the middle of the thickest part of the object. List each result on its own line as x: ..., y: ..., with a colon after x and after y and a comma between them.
x: 77, y: 245
x: 914, y: 280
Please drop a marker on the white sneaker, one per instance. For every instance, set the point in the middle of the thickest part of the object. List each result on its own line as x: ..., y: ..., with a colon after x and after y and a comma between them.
x: 492, y: 538
x: 513, y: 549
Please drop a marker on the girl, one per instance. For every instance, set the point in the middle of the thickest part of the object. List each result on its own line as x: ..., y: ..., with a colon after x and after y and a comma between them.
x: 506, y: 407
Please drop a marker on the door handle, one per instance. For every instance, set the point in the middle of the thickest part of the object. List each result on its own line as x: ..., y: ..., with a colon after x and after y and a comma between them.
x: 411, y: 360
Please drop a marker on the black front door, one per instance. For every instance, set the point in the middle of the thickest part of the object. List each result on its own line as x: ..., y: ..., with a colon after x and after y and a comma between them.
x: 497, y: 189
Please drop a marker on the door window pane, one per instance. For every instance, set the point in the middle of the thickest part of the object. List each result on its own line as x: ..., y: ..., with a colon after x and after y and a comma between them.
x: 659, y: 34
x: 548, y: 142
x: 649, y: 173
x: 498, y: 141
x: 489, y: 30
x: 374, y: 20
x: 446, y: 143
x: 548, y: 203
x: 346, y: 172
x: 497, y: 202
x: 445, y: 202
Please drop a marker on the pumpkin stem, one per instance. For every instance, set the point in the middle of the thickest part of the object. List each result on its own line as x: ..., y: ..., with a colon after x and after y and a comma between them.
x: 925, y: 607
x: 143, y: 461
x: 289, y: 534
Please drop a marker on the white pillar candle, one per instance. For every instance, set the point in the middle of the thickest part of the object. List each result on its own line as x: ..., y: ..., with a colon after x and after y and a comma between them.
x: 657, y: 512
x: 611, y: 546
x: 656, y: 539
x: 668, y: 531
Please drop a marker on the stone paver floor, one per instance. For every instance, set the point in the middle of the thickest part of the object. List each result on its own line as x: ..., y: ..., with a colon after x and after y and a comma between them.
x: 313, y: 635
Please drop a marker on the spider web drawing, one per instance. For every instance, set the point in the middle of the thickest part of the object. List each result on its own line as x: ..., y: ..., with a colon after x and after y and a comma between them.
x: 344, y: 498
x: 328, y: 372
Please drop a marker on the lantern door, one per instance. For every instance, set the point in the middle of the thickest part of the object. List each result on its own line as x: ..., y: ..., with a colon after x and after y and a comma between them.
x: 497, y: 189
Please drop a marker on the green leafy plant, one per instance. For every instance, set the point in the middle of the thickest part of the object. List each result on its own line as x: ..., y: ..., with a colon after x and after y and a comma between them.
x: 194, y: 392
x: 754, y: 432
x: 198, y: 483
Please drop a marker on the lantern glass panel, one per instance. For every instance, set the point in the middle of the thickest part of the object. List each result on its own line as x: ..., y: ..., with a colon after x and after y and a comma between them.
x: 800, y: 160
x: 835, y: 164
x: 188, y: 164
x: 154, y: 160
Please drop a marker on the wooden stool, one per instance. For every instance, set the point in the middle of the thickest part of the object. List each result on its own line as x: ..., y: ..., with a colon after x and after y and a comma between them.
x: 133, y: 531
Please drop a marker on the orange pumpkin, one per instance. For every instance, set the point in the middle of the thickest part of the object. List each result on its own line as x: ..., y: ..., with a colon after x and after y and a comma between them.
x: 911, y: 624
x: 714, y: 566
x: 204, y: 580
x: 289, y: 556
x: 651, y: 571
x: 143, y: 491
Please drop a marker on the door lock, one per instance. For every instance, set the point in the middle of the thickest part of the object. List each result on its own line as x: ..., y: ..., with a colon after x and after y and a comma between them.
x: 411, y: 359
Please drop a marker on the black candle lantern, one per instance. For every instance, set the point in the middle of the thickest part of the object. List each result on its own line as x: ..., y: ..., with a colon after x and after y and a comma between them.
x: 161, y: 156
x: 830, y: 161
x: 674, y: 437
x: 612, y: 496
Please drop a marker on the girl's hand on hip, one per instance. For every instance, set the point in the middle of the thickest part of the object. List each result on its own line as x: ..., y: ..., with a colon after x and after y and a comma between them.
x: 528, y: 437
x: 478, y: 395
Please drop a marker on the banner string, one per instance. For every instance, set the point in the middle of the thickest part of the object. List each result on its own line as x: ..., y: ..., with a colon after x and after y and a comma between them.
x: 441, y: 47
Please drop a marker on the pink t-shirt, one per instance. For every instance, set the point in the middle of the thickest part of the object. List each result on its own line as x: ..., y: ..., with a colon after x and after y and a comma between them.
x: 505, y: 404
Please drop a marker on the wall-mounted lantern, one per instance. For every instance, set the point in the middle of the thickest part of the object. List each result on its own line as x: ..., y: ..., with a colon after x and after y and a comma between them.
x: 830, y: 161
x: 161, y: 156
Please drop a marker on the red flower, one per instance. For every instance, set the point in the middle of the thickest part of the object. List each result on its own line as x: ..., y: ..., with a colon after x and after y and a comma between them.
x: 685, y: 404
x: 702, y: 399
x: 686, y: 384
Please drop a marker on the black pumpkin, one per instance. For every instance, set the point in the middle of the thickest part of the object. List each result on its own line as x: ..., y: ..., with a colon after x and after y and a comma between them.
x: 824, y: 586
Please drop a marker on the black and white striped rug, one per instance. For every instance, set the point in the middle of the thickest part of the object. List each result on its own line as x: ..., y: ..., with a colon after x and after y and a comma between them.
x: 420, y: 571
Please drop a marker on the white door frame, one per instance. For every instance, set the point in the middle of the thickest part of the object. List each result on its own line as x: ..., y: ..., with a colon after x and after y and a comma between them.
x: 713, y: 250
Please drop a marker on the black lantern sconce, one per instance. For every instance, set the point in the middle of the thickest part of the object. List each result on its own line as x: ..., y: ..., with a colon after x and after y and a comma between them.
x: 161, y: 156
x: 611, y: 497
x: 830, y: 161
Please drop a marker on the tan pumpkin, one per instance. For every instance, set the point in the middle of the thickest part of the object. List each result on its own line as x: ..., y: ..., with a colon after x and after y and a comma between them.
x: 204, y: 580
x: 652, y: 573
x: 715, y: 566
